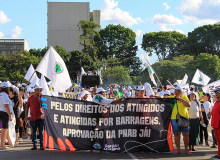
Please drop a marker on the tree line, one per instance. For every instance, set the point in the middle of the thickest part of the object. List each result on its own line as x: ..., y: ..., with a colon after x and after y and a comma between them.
x: 114, y: 51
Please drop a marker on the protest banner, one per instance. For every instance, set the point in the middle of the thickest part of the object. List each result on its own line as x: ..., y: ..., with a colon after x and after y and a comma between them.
x: 211, y: 87
x: 130, y: 126
x: 70, y: 95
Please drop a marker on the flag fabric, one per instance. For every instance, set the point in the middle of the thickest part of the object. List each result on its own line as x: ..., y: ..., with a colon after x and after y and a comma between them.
x: 82, y: 71
x: 150, y: 70
x: 200, y: 78
x: 30, y: 75
x: 100, y: 76
x: 44, y: 85
x: 53, y: 67
x: 34, y: 83
x: 183, y: 82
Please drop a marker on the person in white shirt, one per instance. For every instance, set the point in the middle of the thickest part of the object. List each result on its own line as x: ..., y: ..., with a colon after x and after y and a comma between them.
x: 195, y: 115
x: 205, y: 108
x: 5, y: 114
x: 127, y: 92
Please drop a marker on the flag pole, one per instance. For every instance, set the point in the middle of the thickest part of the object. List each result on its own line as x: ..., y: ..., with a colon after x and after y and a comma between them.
x: 153, y: 70
x: 31, y: 76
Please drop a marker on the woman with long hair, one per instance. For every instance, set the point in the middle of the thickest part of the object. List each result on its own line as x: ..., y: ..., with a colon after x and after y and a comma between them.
x: 195, y: 116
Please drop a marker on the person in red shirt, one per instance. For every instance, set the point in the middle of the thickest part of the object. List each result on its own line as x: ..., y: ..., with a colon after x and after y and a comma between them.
x: 215, y: 120
x: 36, y: 119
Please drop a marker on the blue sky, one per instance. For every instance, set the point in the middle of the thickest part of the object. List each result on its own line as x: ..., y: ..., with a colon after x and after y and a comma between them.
x: 28, y: 18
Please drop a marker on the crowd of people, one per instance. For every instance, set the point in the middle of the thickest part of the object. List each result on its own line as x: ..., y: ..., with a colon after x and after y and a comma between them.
x: 21, y: 103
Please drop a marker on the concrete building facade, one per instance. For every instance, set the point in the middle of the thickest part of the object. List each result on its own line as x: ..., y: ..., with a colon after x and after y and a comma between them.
x: 13, y: 45
x: 62, y: 21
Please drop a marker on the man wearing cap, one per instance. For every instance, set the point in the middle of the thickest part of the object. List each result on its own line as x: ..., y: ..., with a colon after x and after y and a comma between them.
x: 100, y: 98
x: 141, y: 92
x: 36, y: 113
x: 215, y: 120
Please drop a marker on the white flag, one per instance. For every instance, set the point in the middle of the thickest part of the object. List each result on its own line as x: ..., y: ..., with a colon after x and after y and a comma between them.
x: 53, y: 67
x: 30, y: 75
x: 211, y: 87
x: 183, y: 82
x: 34, y: 83
x: 200, y: 78
x: 44, y: 85
x: 100, y: 76
x: 82, y: 71
x: 150, y: 70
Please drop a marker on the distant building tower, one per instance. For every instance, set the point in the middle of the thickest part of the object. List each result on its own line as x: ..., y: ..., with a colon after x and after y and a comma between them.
x: 13, y: 45
x: 62, y: 21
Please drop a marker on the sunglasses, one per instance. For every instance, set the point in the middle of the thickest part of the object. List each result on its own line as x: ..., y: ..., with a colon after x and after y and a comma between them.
x: 40, y: 90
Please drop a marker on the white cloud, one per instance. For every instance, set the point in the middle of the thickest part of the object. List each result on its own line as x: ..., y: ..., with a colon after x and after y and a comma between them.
x: 166, y: 6
x: 3, y: 18
x: 111, y: 13
x: 200, y: 11
x: 139, y: 32
x: 139, y: 47
x: 164, y: 28
x: 16, y: 32
x: 1, y: 35
x: 164, y: 19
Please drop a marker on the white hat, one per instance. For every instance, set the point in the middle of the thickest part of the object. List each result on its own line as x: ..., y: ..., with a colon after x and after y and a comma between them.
x: 115, y: 90
x: 23, y: 84
x: 30, y: 90
x: 178, y: 88
x: 100, y: 90
x: 192, y: 92
x: 85, y: 92
x: 172, y: 91
x: 37, y: 87
x: 0, y: 82
x: 19, y: 85
x: 129, y: 88
x: 175, y: 84
x: 167, y: 92
x: 91, y: 89
x: 4, y: 85
x: 192, y: 86
x: 155, y: 91
x: 141, y: 88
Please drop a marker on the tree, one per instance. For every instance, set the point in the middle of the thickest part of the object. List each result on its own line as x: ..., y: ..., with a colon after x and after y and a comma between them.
x: 15, y: 65
x: 117, y: 41
x: 209, y: 64
x: 205, y: 39
x: 80, y: 59
x: 163, y: 43
x: 114, y: 72
x: 89, y: 31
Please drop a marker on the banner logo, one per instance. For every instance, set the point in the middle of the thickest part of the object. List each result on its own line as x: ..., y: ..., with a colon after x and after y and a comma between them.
x: 97, y: 146
x: 58, y: 68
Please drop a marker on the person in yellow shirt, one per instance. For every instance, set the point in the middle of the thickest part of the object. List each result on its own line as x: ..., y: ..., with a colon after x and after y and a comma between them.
x: 182, y: 103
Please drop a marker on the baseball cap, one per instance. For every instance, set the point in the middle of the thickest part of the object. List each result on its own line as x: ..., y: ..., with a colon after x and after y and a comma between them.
x: 91, y: 89
x: 30, y: 90
x: 37, y: 87
x: 4, y: 85
x: 100, y: 90
x: 167, y: 92
x: 172, y: 91
x: 192, y: 92
x: 141, y: 88
x: 175, y: 84
x: 178, y: 88
x: 192, y: 86
x: 23, y: 84
x: 217, y: 90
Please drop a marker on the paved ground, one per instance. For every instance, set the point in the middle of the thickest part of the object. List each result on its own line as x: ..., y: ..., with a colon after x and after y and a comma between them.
x: 23, y: 152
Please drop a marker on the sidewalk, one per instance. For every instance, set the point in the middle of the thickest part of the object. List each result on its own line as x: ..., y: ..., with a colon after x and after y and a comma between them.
x: 23, y: 152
